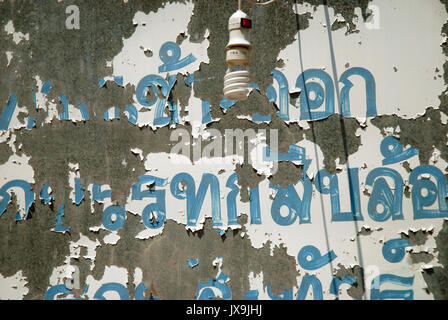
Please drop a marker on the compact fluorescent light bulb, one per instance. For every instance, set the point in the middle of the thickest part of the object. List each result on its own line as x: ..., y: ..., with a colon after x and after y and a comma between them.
x: 236, y: 80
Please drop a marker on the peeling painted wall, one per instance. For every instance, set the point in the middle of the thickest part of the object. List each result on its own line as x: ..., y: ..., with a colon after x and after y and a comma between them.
x: 125, y: 173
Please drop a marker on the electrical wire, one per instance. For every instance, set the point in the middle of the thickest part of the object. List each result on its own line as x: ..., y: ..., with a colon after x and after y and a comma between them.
x: 261, y: 4
x: 343, y: 134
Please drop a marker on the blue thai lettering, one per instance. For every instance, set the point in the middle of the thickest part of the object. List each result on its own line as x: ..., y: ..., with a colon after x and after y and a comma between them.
x: 283, y: 95
x: 45, y: 194
x: 255, y: 212
x: 382, y: 195
x: 310, y: 258
x: 56, y: 290
x: 226, y: 103
x: 154, y: 81
x: 46, y: 87
x: 256, y: 117
x: 79, y: 191
x: 159, y: 118
x: 132, y: 113
x: 333, y: 190
x: 154, y: 214
x: 434, y: 192
x: 307, y: 281
x: 174, y: 112
x: 6, y: 197
x: 136, y: 190
x: 254, y: 85
x: 231, y: 199
x: 376, y: 294
x: 271, y: 93
x: 58, y: 227
x: 31, y: 123
x: 285, y: 295
x: 192, y: 262
x: 114, y: 217
x: 111, y: 113
x: 35, y: 99
x: 338, y: 281
x: 140, y: 293
x: 65, y: 114
x: 170, y: 55
x: 84, y: 113
x: 99, y: 195
x: 189, y: 80
x: 194, y: 201
x: 118, y: 80
x: 309, y: 104
x: 296, y: 207
x: 392, y: 151
x: 214, y: 289
x: 101, y: 83
x: 251, y: 295
x: 394, y: 250
x: 7, y: 112
x: 112, y: 286
x: 295, y: 153
x: 206, y: 116
x: 370, y: 91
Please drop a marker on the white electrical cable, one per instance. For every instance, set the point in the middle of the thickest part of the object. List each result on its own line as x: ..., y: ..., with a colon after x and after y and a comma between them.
x: 260, y: 3
x: 255, y: 3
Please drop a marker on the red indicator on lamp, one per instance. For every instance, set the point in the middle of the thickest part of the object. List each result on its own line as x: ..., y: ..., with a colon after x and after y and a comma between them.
x: 246, y: 23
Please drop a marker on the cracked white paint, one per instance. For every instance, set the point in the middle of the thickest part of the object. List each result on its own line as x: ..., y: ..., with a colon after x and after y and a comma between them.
x: 90, y: 245
x: 342, y: 235
x: 138, y: 152
x: 111, y: 237
x: 133, y: 64
x: 42, y: 102
x: 410, y: 90
x: 156, y: 164
x: 17, y: 37
x: 111, y: 274
x: 138, y: 276
x: 390, y: 53
x: 60, y: 275
x: 13, y: 287
x: 9, y: 55
x: 72, y: 174
x: 17, y: 168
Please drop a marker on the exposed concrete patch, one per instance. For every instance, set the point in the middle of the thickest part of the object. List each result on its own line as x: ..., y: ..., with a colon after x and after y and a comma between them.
x: 417, y: 238
x: 101, y: 158
x: 162, y: 260
x: 35, y: 248
x: 98, y: 40
x: 437, y: 280
x: 288, y: 173
x: 437, y: 277
x: 5, y: 152
x: 418, y: 133
x: 365, y: 231
x: 356, y: 291
x: 180, y: 94
x: 420, y: 257
x: 247, y: 179
x: 336, y: 136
